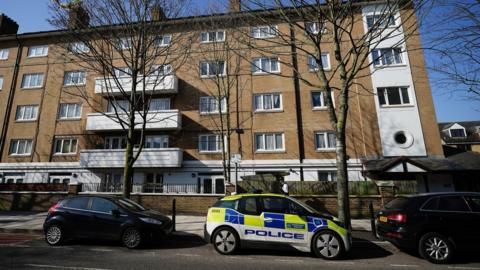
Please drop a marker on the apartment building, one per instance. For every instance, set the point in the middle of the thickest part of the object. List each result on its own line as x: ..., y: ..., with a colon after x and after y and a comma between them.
x: 282, y: 125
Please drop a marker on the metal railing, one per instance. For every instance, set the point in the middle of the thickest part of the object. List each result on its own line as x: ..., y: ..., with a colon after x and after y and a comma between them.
x: 156, y: 188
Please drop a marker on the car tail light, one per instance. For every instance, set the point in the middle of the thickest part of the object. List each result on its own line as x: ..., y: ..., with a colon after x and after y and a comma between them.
x: 398, y: 218
x: 53, y: 208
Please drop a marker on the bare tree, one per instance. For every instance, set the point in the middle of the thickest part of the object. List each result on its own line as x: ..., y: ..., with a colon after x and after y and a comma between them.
x: 455, y: 43
x: 315, y: 28
x: 131, y: 44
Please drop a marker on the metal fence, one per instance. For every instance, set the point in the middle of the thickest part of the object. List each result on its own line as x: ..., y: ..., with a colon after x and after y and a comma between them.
x: 145, y: 188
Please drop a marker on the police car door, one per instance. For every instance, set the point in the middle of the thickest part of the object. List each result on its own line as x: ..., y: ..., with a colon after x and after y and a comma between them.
x: 279, y: 224
x: 252, y: 220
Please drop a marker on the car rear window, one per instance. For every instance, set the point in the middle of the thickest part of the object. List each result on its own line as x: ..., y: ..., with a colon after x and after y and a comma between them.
x: 448, y: 203
x: 226, y: 204
x: 398, y: 203
x: 474, y: 202
x: 77, y: 203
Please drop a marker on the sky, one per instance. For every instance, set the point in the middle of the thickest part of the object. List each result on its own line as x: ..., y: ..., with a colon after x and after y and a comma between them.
x: 32, y: 16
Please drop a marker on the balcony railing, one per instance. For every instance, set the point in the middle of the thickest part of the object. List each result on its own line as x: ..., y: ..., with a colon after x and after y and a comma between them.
x: 166, y: 119
x: 144, y: 188
x: 115, y: 158
x: 153, y: 84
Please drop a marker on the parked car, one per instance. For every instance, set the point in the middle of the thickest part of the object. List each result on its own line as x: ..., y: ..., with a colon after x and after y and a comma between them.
x: 274, y: 219
x: 105, y: 218
x: 437, y: 224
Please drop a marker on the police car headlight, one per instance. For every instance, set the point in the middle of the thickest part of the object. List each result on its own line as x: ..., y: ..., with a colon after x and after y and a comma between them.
x: 151, y: 221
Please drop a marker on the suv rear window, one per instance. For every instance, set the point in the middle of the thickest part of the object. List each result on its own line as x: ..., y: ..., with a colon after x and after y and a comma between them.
x: 77, y: 203
x: 398, y: 203
x: 226, y: 204
x: 448, y: 203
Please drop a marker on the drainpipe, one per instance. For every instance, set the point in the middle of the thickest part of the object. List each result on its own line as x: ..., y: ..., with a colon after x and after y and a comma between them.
x: 11, y: 94
x: 298, y: 107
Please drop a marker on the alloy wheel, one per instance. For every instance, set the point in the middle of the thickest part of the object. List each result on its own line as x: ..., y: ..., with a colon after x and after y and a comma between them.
x: 436, y: 248
x: 328, y: 245
x: 131, y: 238
x: 225, y: 241
x: 53, y: 235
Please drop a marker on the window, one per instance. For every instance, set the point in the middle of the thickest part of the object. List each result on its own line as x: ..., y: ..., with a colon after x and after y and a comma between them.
x: 159, y: 104
x: 267, y: 102
x: 164, y: 40
x: 327, y: 176
x: 20, y: 147
x: 70, y: 111
x: 124, y: 44
x: 115, y: 143
x: 249, y: 206
x: 34, y: 80
x: 79, y: 47
x: 209, y: 105
x: 265, y: 65
x: 156, y: 141
x: 452, y: 203
x: 457, y: 132
x: 78, y: 203
x: 315, y: 28
x: 325, y: 140
x: 1, y: 82
x: 212, y: 36
x: 161, y: 70
x: 226, y: 204
x: 264, y: 31
x: 3, y: 54
x: 380, y: 21
x: 209, y: 143
x: 37, y: 51
x: 474, y: 202
x: 26, y: 113
x: 121, y: 106
x: 312, y: 62
x: 387, y: 57
x: 391, y: 96
x: 74, y: 78
x: 269, y: 142
x: 65, y: 146
x: 275, y: 205
x: 122, y: 72
x: 103, y: 205
x: 318, y: 100
x: 212, y: 68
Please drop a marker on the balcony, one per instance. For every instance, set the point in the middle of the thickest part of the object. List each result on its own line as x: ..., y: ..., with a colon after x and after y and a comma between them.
x: 167, y: 84
x: 168, y: 119
x: 115, y: 158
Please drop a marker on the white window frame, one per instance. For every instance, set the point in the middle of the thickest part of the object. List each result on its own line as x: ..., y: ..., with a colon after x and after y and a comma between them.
x: 37, y: 51
x: 387, y: 102
x: 23, y: 110
x: 315, y: 68
x: 62, y: 141
x: 215, y: 34
x: 330, y: 177
x: 29, y: 76
x: 257, y: 69
x: 263, y: 96
x: 164, y: 141
x: 220, y: 102
x: 28, y: 143
x: 263, y: 136
x: 376, y: 17
x: 264, y: 31
x: 1, y: 82
x: 218, y: 142
x: 119, y: 104
x: 166, y: 100
x: 76, y: 107
x: 70, y: 76
x: 124, y: 44
x: 161, y: 70
x: 464, y: 133
x: 209, y: 63
x: 327, y: 147
x: 316, y: 29
x: 122, y: 72
x: 108, y: 144
x: 381, y: 59
x: 79, y: 47
x: 160, y: 40
x: 322, y: 100
x: 4, y: 54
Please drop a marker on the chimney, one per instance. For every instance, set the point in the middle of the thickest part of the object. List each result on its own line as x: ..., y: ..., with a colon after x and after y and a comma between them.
x: 157, y: 13
x: 235, y: 6
x: 7, y: 25
x: 78, y: 17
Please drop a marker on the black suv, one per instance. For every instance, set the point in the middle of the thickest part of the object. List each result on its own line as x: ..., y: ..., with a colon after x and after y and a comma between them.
x: 104, y: 217
x: 435, y: 224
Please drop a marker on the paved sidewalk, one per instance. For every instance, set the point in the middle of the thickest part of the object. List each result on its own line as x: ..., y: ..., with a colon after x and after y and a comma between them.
x: 31, y: 222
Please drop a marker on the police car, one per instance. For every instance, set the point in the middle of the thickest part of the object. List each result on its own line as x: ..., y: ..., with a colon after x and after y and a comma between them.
x: 274, y: 218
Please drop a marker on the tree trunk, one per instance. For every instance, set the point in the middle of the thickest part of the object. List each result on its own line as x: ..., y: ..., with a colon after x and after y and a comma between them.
x: 342, y: 181
x: 128, y: 169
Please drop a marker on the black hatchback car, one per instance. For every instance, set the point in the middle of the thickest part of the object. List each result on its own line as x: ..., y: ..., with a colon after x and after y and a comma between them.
x: 435, y: 224
x: 102, y: 217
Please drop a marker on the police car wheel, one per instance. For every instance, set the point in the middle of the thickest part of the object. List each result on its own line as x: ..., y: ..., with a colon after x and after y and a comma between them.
x: 225, y: 241
x: 436, y: 248
x: 327, y: 245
